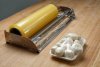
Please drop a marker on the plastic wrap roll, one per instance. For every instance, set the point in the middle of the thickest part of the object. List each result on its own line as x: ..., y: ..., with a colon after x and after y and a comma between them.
x: 30, y: 25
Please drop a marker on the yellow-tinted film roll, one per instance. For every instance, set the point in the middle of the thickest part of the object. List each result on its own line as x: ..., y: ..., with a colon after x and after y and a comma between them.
x: 35, y: 22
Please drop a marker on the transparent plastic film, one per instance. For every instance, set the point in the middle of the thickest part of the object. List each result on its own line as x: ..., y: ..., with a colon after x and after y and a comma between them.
x: 33, y: 23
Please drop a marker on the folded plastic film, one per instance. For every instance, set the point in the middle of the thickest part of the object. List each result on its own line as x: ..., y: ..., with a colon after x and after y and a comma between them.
x: 30, y: 25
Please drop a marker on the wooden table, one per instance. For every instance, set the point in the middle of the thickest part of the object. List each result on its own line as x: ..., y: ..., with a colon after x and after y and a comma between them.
x: 87, y: 24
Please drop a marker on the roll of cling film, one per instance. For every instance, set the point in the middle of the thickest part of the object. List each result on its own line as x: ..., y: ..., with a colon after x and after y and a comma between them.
x: 33, y: 23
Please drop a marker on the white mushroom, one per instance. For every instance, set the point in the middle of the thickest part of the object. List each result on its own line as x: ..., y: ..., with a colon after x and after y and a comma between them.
x: 60, y: 42
x: 68, y: 40
x: 82, y: 41
x: 69, y: 54
x: 67, y: 43
x: 59, y: 51
x: 77, y: 48
x: 73, y: 36
x: 68, y: 46
x: 63, y: 46
x: 53, y: 49
x: 76, y: 41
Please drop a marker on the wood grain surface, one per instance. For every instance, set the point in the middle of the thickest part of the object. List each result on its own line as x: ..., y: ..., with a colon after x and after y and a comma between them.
x: 86, y: 24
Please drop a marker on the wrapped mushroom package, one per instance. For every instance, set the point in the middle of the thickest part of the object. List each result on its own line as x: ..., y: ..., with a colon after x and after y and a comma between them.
x: 37, y: 30
x: 69, y: 47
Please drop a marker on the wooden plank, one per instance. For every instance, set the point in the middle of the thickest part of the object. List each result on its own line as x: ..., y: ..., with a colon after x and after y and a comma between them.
x: 87, y: 24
